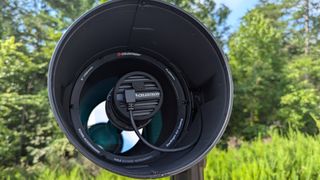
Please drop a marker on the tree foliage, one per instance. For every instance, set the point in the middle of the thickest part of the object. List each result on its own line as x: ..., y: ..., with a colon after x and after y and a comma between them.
x: 29, y: 32
x: 256, y: 60
x: 300, y: 101
x: 274, y: 56
x: 276, y: 81
x: 24, y: 106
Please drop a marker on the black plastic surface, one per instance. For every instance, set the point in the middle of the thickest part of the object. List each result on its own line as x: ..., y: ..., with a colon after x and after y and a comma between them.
x: 160, y: 30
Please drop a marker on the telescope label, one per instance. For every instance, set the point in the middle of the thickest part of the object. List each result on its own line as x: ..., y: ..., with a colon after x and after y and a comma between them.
x: 176, y: 132
x: 148, y: 95
x: 87, y: 141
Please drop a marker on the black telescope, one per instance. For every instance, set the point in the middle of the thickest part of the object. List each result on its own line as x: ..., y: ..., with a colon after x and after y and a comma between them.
x: 140, y: 88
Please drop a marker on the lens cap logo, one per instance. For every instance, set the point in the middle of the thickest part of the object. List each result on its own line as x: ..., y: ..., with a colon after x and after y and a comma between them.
x: 148, y: 94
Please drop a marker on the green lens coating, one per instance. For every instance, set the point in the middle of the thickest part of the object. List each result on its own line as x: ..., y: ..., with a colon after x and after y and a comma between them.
x: 153, y: 130
x: 102, y: 132
x: 106, y: 136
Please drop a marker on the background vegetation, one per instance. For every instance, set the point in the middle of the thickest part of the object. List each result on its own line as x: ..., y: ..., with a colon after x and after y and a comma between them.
x: 275, y: 60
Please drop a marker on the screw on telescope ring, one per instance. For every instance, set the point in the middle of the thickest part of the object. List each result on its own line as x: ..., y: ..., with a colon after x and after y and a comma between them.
x: 180, y: 88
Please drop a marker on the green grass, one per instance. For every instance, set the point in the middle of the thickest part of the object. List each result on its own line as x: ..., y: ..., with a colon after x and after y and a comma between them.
x: 296, y: 156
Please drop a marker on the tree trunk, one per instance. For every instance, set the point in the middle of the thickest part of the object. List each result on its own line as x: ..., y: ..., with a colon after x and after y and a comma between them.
x: 306, y: 27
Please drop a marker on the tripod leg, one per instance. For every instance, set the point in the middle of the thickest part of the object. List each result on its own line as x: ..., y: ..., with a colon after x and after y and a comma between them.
x: 194, y: 173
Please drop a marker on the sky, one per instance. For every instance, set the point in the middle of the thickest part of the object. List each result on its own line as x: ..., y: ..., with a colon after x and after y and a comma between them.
x: 238, y: 9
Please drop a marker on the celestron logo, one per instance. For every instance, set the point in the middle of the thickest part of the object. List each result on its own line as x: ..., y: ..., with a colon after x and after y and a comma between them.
x: 128, y: 54
x: 148, y: 94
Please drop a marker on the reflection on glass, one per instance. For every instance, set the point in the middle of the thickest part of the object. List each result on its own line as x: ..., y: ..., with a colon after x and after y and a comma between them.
x: 99, y: 116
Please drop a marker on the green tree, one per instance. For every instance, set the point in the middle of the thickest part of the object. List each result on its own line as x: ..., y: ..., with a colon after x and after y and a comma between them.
x: 274, y: 85
x: 302, y: 18
x: 72, y: 9
x: 300, y: 103
x: 29, y: 32
x: 304, y: 22
x: 256, y: 60
x: 24, y: 106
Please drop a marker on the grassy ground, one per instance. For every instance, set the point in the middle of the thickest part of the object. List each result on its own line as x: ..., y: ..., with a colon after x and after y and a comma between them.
x: 295, y: 156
